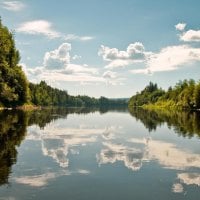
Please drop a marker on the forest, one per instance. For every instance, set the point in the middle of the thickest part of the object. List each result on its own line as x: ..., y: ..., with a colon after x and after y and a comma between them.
x: 17, y: 91
x: 184, y: 95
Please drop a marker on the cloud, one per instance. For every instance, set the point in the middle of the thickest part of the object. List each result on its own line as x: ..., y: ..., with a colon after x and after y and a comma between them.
x: 44, y: 27
x: 170, y: 58
x: 76, y: 57
x: 109, y: 74
x: 13, y: 5
x: 79, y: 69
x: 70, y: 37
x: 134, y: 53
x: 167, y: 59
x: 38, y: 27
x: 113, y: 78
x: 190, y: 36
x: 58, y: 66
x: 58, y: 58
x: 180, y: 26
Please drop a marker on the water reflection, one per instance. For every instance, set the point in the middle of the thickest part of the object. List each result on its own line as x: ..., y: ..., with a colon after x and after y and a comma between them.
x: 130, y: 156
x: 164, y: 153
x: 58, y: 140
x: 12, y: 132
x: 68, y: 144
x: 184, y: 123
x: 55, y: 142
x: 189, y: 178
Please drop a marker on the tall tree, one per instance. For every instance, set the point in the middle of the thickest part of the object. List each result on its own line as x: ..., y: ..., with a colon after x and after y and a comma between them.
x: 14, y: 88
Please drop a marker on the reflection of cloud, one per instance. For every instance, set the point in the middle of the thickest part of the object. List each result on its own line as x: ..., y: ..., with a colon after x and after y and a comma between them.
x: 177, y: 188
x: 83, y: 171
x: 56, y: 145
x: 131, y: 157
x: 190, y: 178
x: 167, y: 153
x: 56, y: 151
x: 109, y: 133
x: 58, y: 141
x: 7, y: 198
x: 36, y: 181
x: 43, y: 179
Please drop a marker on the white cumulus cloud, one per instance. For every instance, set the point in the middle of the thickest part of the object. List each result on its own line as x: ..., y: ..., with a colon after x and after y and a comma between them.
x: 13, y: 5
x: 170, y: 58
x: 58, y: 58
x: 134, y: 53
x: 190, y: 36
x: 58, y: 66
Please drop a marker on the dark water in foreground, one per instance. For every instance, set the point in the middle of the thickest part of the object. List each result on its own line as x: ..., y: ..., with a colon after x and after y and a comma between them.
x: 88, y: 154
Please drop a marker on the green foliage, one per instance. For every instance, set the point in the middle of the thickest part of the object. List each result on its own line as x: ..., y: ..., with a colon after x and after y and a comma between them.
x: 44, y: 95
x: 14, y: 88
x: 150, y: 94
x: 184, y: 95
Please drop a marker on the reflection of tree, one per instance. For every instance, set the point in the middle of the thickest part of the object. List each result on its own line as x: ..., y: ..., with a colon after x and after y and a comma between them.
x: 45, y: 116
x: 12, y: 132
x: 183, y: 123
x: 150, y: 119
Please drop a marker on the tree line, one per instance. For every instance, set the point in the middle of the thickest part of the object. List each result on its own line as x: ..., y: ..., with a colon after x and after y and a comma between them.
x: 45, y: 95
x: 184, y: 95
x: 15, y: 90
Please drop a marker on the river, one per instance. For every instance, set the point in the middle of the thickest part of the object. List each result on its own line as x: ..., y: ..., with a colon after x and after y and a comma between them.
x: 84, y: 154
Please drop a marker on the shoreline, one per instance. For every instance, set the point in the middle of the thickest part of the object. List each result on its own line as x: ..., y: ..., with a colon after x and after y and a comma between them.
x: 23, y: 107
x: 156, y: 107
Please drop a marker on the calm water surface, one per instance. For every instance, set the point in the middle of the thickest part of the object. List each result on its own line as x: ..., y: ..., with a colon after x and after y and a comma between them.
x: 89, y: 154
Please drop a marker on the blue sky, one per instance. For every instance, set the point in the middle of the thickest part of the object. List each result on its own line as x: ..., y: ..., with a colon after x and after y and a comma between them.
x: 107, y: 48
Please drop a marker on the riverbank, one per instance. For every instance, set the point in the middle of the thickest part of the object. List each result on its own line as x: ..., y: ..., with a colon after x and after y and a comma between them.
x: 169, y: 105
x: 23, y: 107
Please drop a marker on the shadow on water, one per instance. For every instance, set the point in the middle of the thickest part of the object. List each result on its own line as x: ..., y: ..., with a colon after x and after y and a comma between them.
x: 186, y: 124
